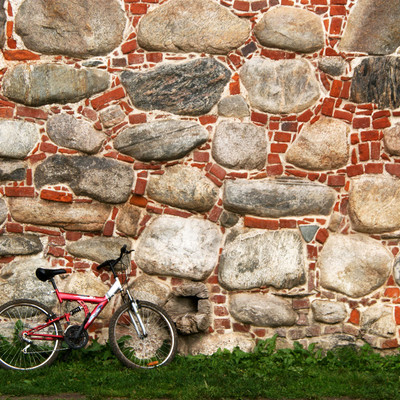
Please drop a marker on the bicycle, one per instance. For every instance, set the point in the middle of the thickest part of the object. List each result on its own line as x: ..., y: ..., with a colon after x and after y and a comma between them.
x: 141, y: 334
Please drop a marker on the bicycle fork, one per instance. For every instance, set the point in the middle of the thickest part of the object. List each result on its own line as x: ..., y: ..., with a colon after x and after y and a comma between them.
x: 140, y: 329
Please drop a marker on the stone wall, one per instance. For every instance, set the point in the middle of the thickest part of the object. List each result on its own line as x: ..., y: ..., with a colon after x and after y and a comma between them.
x: 248, y: 150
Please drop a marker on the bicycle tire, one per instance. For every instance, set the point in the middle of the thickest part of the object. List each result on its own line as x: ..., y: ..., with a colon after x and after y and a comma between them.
x: 155, y: 350
x: 17, y: 316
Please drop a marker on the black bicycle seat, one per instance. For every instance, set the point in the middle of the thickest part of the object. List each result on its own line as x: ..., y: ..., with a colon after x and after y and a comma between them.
x: 44, y: 274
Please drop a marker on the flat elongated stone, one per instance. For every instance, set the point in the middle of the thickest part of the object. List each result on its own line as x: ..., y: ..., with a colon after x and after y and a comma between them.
x: 278, y: 197
x: 66, y: 131
x: 280, y: 87
x: 104, y: 179
x: 76, y: 28
x: 240, y: 146
x: 181, y: 247
x: 75, y: 216
x: 375, y: 80
x: 374, y: 204
x: 191, y: 189
x: 13, y: 245
x: 260, y: 258
x: 261, y: 310
x: 161, y: 140
x: 17, y: 138
x: 372, y: 27
x: 346, y: 267
x: 12, y: 171
x: 211, y: 28
x: 39, y: 84
x: 192, y: 88
x: 321, y: 146
x: 291, y: 28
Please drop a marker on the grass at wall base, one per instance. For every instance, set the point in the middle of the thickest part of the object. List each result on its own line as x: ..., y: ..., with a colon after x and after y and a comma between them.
x: 266, y: 373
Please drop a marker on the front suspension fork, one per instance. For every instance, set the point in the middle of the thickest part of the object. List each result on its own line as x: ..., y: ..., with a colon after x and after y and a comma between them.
x: 134, y: 313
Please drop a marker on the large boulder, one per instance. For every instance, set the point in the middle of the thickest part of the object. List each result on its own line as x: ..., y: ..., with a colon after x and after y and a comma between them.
x: 210, y: 28
x: 75, y: 28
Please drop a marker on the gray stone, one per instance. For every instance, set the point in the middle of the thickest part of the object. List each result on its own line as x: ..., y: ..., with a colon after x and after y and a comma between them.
x: 262, y: 258
x: 111, y: 116
x: 334, y: 66
x: 150, y: 289
x: 233, y: 106
x: 12, y: 171
x: 191, y: 88
x: 128, y: 219
x: 374, y: 204
x: 292, y: 29
x: 277, y: 198
x: 3, y: 19
x: 181, y: 247
x: 336, y: 341
x: 15, y: 245
x: 210, y: 344
x: 375, y: 80
x: 372, y: 27
x: 321, y: 146
x: 280, y: 87
x: 3, y: 211
x: 261, y: 310
x: 240, y: 146
x: 67, y: 131
x: 328, y: 312
x: 396, y: 270
x: 39, y: 84
x: 391, y: 140
x: 191, y: 189
x: 74, y: 217
x: 378, y: 321
x: 75, y: 28
x: 102, y: 179
x: 228, y: 219
x: 211, y: 28
x: 308, y: 232
x: 17, y: 138
x: 98, y: 249
x: 161, y: 140
x: 346, y: 267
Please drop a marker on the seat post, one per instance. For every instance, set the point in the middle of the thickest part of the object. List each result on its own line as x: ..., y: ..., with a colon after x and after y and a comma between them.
x: 53, y: 283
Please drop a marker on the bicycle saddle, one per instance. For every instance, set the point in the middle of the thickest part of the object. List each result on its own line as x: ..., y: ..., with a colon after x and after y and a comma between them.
x: 44, y: 274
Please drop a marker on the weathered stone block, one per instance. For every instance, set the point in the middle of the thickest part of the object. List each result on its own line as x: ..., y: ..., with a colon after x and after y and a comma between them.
x: 328, y: 312
x: 150, y: 289
x: 233, y: 106
x: 12, y: 171
x: 128, y: 219
x: 3, y: 211
x: 14, y: 245
x: 378, y: 320
x: 391, y: 140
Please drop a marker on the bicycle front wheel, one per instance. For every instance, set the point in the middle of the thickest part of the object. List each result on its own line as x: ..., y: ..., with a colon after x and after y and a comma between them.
x: 17, y: 350
x: 156, y: 349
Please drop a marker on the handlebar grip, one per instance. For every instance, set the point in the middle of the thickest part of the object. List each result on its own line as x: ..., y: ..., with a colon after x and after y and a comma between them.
x: 103, y: 265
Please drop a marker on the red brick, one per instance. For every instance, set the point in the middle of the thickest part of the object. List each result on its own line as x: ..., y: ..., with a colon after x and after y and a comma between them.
x: 393, y: 169
x: 363, y: 151
x: 218, y: 298
x: 140, y: 186
x: 55, y: 251
x: 375, y: 150
x: 336, y: 26
x: 154, y: 57
x: 299, y: 304
x: 201, y: 156
x: 336, y: 180
x: 251, y: 222
x: 322, y: 235
x: 354, y: 317
x: 221, y: 311
x: 105, y: 98
x: 31, y: 112
x: 137, y: 118
x: 222, y: 323
x: 138, y: 9
x: 336, y: 88
x: 278, y: 148
x: 128, y: 47
x: 44, y: 231
x: 208, y: 119
x: 138, y: 201
x: 6, y: 112
x: 177, y: 213
x: 240, y: 327
x: 363, y: 122
x: 258, y: 5
x: 259, y: 117
x: 328, y: 106
x: 275, y: 170
x: 20, y: 55
x: 52, y: 195
x: 287, y: 223
x: 134, y: 58
x: 354, y: 170
x: 241, y: 5
x: 215, y: 214
x: 390, y: 344
x: 397, y: 315
x: 306, y: 116
x: 373, y: 168
x: 19, y: 191
x: 347, y: 116
x: 48, y: 147
x: 234, y: 88
x: 392, y: 292
x: 381, y: 123
x: 367, y: 136
x: 108, y: 228
x: 218, y: 171
x: 13, y: 227
x: 283, y: 137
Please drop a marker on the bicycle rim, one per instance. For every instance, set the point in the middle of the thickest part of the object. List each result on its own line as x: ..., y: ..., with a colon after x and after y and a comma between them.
x: 155, y: 350
x: 16, y: 353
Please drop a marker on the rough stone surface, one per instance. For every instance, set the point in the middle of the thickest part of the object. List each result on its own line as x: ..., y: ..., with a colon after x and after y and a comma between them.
x: 98, y: 249
x: 3, y: 19
x: 161, y: 140
x: 39, y: 84
x: 336, y: 341
x: 291, y: 28
x: 66, y: 131
x: 261, y: 310
x: 240, y: 146
x: 75, y: 216
x: 280, y: 87
x: 260, y: 258
x: 17, y: 138
x: 191, y: 189
x: 347, y: 268
x: 3, y: 211
x: 111, y: 116
x: 374, y: 204
x: 211, y: 28
x: 334, y: 66
x: 396, y: 271
x: 233, y: 106
x: 372, y: 27
x: 375, y: 80
x: 278, y: 197
x: 378, y: 320
x: 12, y: 171
x: 14, y: 245
x: 228, y: 219
x: 191, y: 88
x: 150, y: 289
x: 308, y: 232
x: 391, y: 140
x: 186, y: 248
x: 321, y: 146
x: 102, y: 179
x: 76, y: 28
x: 209, y: 344
x: 328, y: 312
x: 128, y: 219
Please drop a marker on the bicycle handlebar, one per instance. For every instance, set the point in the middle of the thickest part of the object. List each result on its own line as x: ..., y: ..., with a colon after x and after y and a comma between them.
x: 112, y: 263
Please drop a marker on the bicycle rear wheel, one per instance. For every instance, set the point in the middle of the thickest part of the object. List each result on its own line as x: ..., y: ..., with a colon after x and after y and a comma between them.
x: 17, y: 352
x: 156, y: 349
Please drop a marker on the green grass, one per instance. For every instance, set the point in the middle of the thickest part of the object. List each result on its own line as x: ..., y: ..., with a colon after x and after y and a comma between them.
x: 267, y: 373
